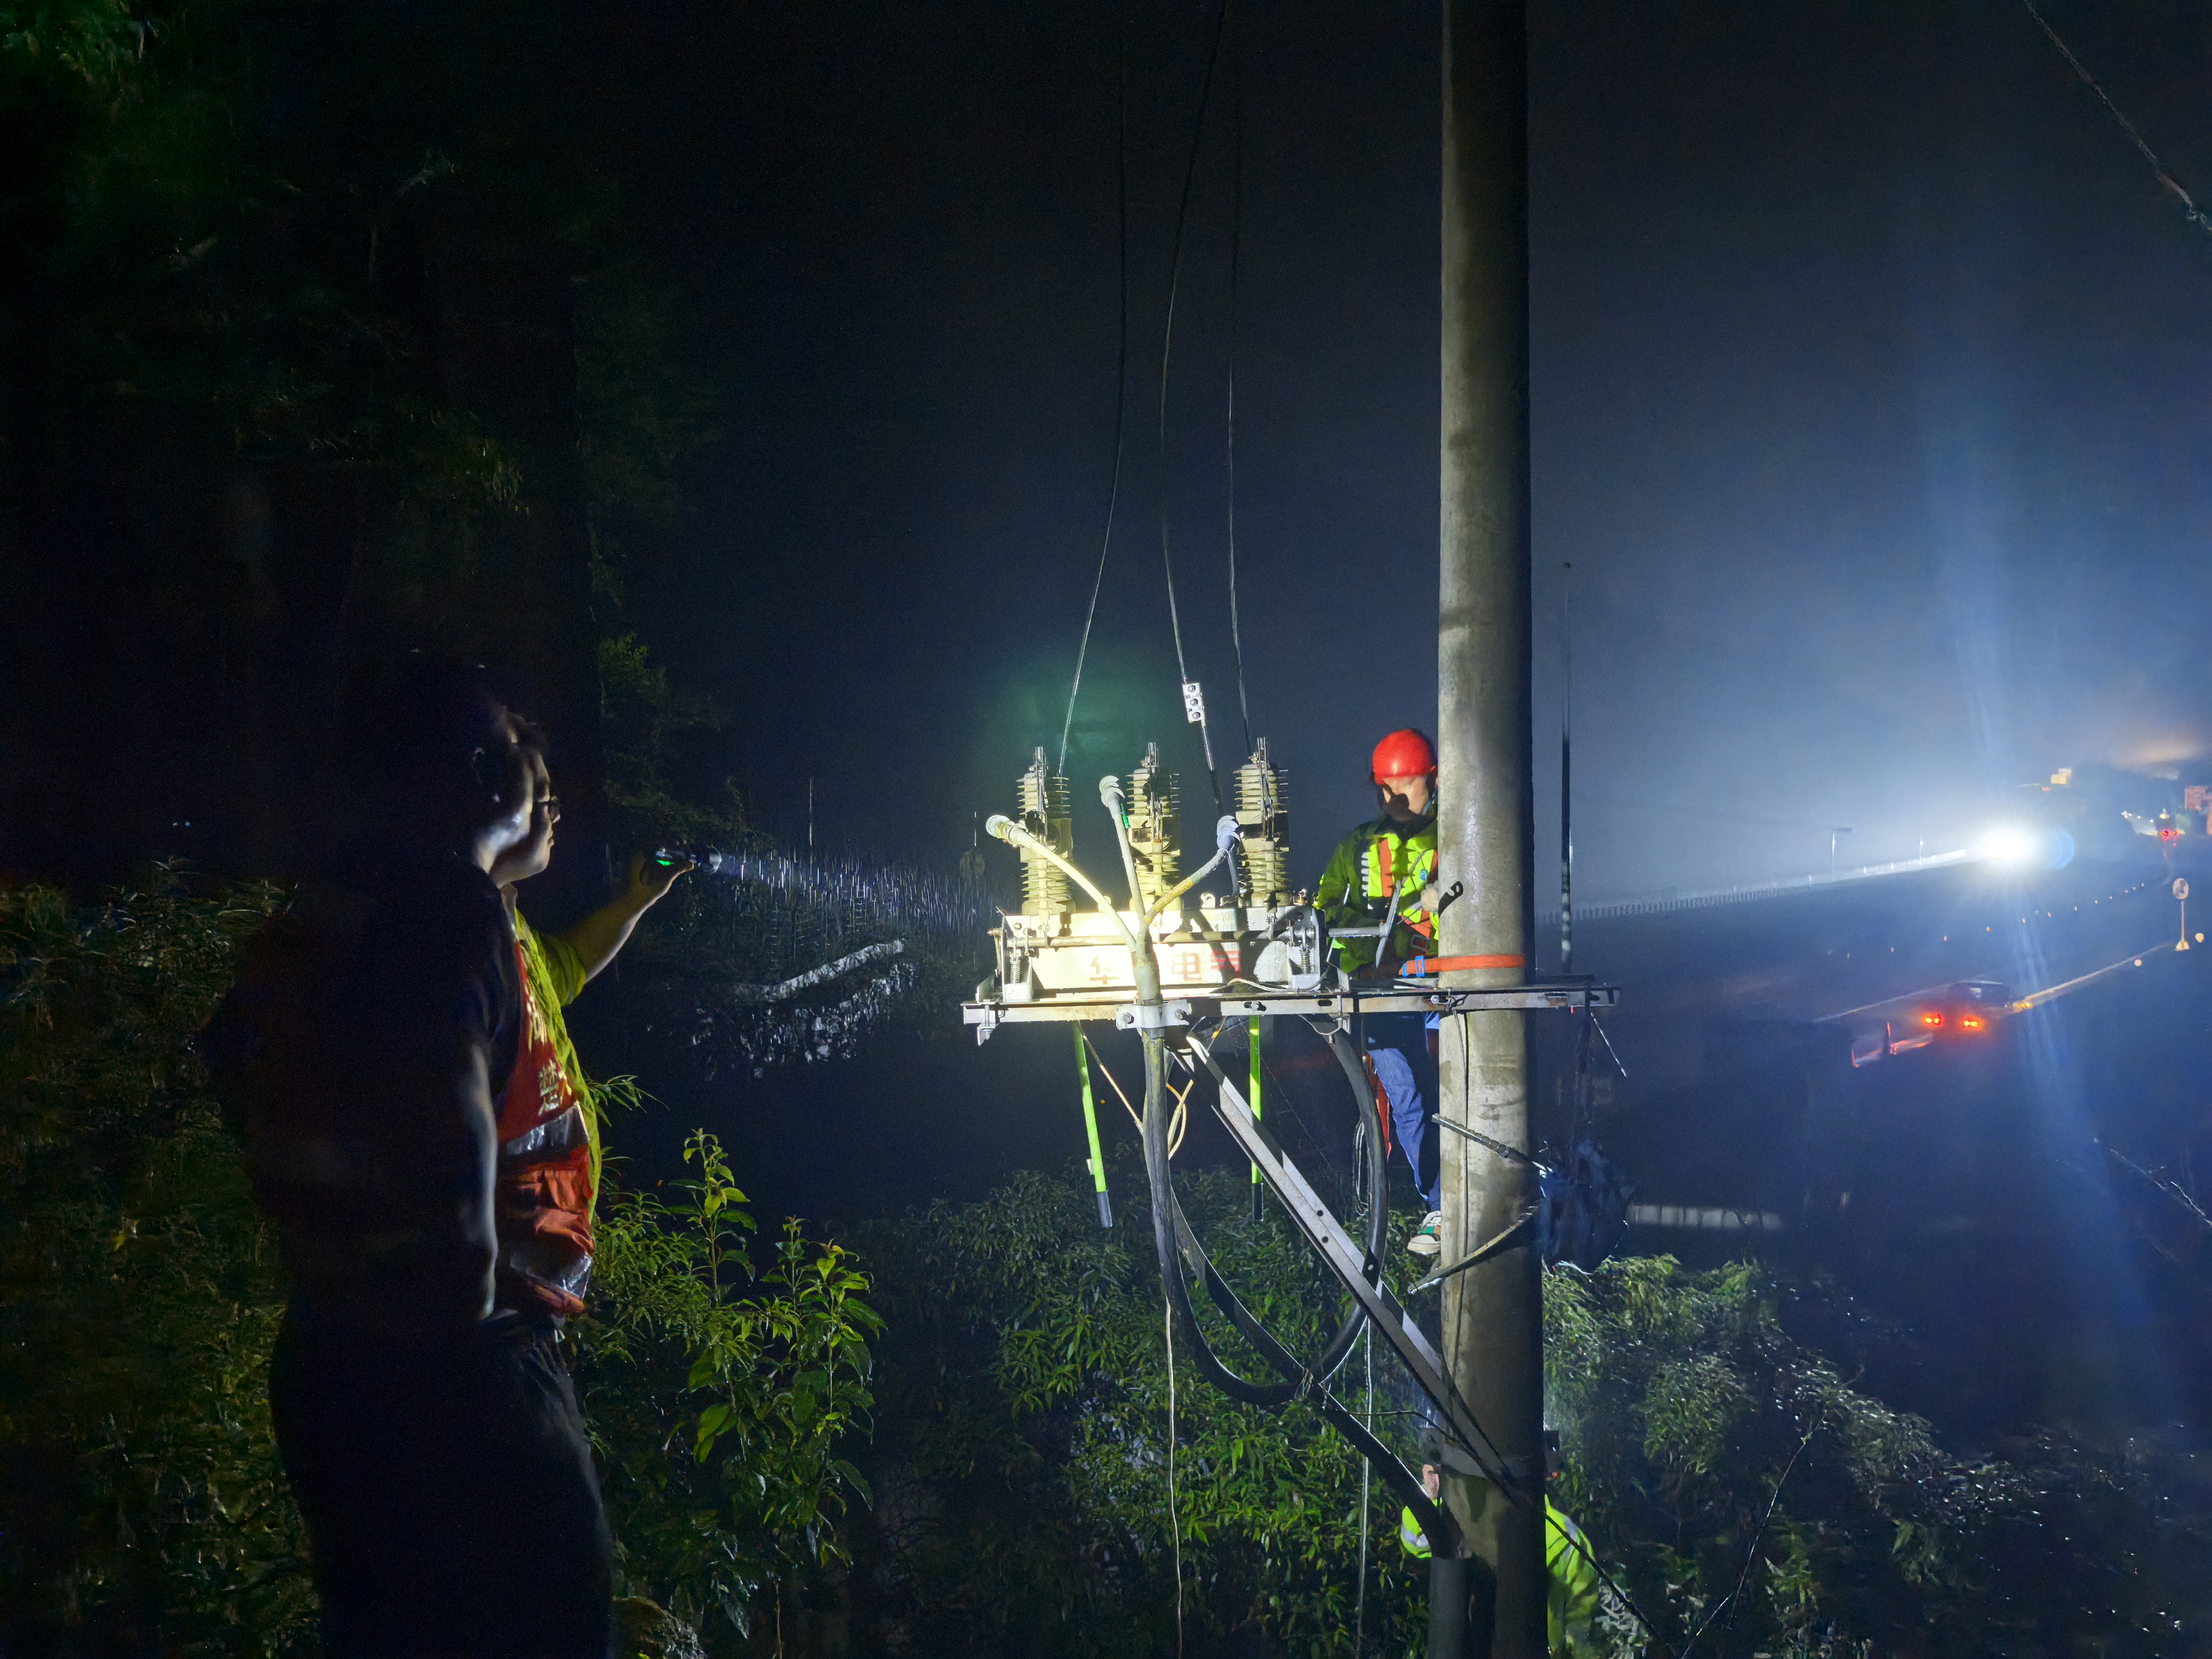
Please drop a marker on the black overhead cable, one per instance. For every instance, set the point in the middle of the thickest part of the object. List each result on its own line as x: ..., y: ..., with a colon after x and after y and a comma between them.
x: 1236, y: 248
x: 2189, y: 208
x: 1120, y: 372
x: 1167, y: 352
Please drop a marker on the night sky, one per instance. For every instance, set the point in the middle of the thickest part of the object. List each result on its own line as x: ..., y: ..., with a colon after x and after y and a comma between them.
x: 1869, y: 360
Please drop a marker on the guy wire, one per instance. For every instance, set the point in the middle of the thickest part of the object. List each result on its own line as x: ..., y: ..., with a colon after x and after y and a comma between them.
x: 1120, y: 372
x: 2188, y: 206
x: 1167, y: 353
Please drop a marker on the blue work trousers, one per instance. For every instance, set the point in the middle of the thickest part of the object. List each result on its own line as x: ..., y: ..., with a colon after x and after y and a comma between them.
x: 1398, y: 1046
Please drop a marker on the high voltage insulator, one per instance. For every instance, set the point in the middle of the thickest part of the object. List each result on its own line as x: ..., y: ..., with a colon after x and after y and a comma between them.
x: 1263, y: 819
x: 1153, y: 828
x: 1043, y: 810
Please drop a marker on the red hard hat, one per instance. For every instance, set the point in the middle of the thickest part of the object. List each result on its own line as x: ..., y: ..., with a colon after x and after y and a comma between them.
x: 1405, y: 754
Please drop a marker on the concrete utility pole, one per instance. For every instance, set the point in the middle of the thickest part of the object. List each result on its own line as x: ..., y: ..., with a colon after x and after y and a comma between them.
x: 1492, y: 1603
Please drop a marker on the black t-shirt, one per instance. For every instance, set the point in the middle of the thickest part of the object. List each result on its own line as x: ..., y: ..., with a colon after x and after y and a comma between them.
x: 359, y: 1051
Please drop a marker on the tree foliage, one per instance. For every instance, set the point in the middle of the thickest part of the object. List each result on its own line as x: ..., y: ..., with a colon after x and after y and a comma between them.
x: 1745, y: 1496
x: 1745, y: 1489
x: 1021, y: 1457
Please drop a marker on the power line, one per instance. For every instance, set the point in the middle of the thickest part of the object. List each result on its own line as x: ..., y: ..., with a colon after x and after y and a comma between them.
x: 1236, y: 248
x: 1167, y: 354
x: 2165, y: 179
x: 1121, y: 374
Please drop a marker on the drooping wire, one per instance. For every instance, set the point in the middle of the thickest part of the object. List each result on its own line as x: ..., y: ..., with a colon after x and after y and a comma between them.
x: 1166, y: 356
x: 1120, y: 372
x: 1236, y: 248
x: 2189, y: 208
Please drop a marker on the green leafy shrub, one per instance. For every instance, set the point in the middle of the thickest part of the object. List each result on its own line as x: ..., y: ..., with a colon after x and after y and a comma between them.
x: 143, y: 1507
x: 722, y: 1418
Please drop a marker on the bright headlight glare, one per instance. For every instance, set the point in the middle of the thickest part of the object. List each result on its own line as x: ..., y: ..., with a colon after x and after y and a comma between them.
x: 2009, y: 845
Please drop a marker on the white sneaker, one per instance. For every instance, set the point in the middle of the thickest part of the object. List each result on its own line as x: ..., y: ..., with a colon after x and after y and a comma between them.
x: 1425, y: 1240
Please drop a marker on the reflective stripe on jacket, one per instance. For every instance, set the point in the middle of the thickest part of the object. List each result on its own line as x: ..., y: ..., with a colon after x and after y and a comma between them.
x: 1370, y: 864
x: 556, y: 975
x: 541, y: 1195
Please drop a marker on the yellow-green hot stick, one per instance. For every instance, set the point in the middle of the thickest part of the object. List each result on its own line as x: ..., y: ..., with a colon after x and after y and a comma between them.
x: 1253, y: 1025
x: 1090, y: 1128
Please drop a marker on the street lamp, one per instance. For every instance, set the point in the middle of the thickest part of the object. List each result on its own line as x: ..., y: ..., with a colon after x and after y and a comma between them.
x: 1840, y: 830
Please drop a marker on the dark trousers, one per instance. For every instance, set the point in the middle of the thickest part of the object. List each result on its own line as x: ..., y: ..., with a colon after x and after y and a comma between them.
x: 449, y: 1492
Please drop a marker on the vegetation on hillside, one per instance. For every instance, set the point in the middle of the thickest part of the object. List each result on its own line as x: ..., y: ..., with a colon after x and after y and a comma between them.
x: 142, y: 1506
x: 1006, y: 1357
x: 1745, y: 1498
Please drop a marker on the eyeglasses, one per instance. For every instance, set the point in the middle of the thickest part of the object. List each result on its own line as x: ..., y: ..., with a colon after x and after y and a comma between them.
x: 551, y: 804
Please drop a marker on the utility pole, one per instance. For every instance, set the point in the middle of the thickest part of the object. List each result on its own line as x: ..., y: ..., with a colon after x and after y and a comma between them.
x: 1491, y: 1604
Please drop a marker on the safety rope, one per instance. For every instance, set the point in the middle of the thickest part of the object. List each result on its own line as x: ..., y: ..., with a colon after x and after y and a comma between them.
x: 1121, y: 380
x: 2188, y: 205
x: 1167, y: 354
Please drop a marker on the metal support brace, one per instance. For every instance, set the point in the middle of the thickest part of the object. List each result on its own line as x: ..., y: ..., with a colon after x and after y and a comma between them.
x: 1348, y: 1263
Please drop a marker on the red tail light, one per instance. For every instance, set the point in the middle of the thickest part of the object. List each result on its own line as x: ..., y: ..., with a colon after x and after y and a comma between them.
x: 1930, y: 1018
x: 1971, y: 1022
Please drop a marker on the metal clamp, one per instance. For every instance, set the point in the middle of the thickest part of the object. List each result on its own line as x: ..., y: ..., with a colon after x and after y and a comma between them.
x: 1152, y: 1017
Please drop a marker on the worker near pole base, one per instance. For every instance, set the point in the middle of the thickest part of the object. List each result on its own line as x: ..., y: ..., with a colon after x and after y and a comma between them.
x: 1570, y: 1603
x: 1385, y: 871
x: 381, y: 1046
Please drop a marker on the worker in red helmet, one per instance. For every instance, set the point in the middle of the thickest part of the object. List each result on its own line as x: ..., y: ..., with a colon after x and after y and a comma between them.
x: 1383, y: 876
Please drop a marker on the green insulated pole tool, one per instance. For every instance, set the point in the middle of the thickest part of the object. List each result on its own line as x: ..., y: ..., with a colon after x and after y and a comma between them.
x: 1090, y: 1128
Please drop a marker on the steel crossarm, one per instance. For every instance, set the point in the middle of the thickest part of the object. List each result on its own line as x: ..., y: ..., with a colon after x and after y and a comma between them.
x: 1337, y: 1006
x: 1350, y: 1265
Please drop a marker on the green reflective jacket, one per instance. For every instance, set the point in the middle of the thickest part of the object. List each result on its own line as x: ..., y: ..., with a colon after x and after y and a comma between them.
x: 1572, y: 1604
x: 1369, y: 864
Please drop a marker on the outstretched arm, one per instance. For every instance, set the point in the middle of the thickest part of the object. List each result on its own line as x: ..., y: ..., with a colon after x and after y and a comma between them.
x: 598, y: 937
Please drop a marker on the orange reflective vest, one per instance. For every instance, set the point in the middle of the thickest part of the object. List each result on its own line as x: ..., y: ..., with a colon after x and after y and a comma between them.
x: 542, y: 1192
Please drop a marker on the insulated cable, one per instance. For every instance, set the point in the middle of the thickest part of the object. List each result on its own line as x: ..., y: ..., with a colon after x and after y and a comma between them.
x: 1121, y: 381
x: 1309, y: 1384
x: 1177, y: 1245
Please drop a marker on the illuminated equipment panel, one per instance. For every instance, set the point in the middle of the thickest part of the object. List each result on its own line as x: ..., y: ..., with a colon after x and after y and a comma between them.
x: 1255, y: 948
x: 1082, y: 953
x: 1181, y: 969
